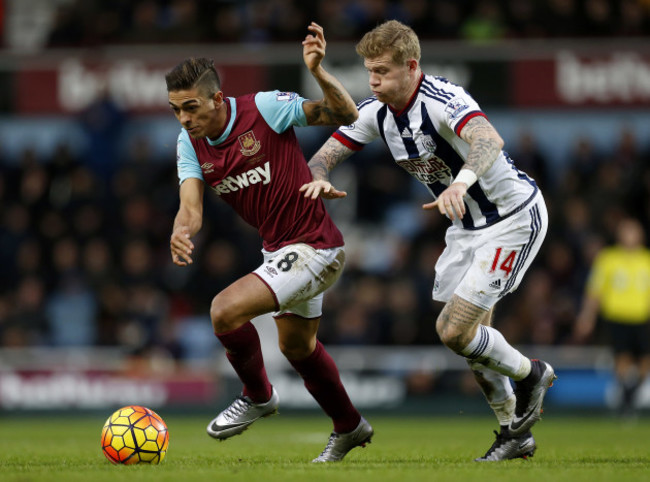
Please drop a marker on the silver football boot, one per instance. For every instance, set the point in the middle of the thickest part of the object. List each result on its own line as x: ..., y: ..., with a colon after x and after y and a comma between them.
x: 240, y: 415
x: 508, y: 446
x: 340, y: 444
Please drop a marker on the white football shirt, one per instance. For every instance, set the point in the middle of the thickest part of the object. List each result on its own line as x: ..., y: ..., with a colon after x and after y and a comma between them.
x: 424, y: 139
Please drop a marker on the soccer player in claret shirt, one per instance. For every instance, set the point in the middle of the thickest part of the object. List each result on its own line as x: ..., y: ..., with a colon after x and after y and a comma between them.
x: 245, y: 150
x: 438, y: 133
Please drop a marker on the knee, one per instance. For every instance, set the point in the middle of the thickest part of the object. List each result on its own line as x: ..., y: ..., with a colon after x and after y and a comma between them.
x: 223, y: 315
x: 452, y: 336
x: 296, y: 348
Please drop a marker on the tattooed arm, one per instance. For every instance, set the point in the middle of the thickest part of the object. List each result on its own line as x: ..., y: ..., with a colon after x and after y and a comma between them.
x: 485, y: 143
x: 484, y: 147
x: 328, y: 156
x: 337, y: 107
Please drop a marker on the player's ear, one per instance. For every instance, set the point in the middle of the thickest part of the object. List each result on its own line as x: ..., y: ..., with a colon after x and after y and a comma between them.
x: 412, y: 65
x: 217, y: 99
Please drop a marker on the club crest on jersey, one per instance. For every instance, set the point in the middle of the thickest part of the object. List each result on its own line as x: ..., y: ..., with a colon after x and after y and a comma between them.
x: 455, y: 107
x: 428, y: 143
x: 249, y: 144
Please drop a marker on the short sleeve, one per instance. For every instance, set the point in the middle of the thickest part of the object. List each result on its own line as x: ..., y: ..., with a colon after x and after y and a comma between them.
x: 460, y: 109
x: 187, y: 163
x: 364, y: 130
x: 281, y: 110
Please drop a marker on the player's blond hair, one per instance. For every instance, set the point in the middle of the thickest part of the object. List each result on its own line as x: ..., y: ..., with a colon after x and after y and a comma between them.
x: 391, y: 36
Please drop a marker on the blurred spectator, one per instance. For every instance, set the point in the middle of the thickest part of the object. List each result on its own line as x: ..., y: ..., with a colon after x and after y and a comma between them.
x: 523, y: 19
x: 182, y: 23
x: 98, y: 262
x: 14, y: 232
x: 226, y: 24
x: 415, y: 13
x: 634, y: 19
x: 145, y: 24
x: 67, y: 29
x: 96, y: 252
x: 72, y: 312
x: 561, y: 18
x: 98, y: 22
x: 288, y: 20
x: 598, y: 18
x: 25, y: 322
x: 84, y: 240
x: 531, y: 160
x: 485, y: 23
x: 447, y: 20
x: 103, y: 122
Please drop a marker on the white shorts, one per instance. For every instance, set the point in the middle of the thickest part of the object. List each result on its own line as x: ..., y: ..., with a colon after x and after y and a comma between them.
x: 483, y: 265
x: 298, y: 274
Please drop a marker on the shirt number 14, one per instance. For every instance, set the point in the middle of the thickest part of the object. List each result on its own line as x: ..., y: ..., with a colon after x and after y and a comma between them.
x: 506, y: 264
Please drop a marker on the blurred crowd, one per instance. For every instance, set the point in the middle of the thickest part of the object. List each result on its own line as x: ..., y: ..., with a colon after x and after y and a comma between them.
x: 85, y: 23
x: 84, y: 237
x: 84, y: 250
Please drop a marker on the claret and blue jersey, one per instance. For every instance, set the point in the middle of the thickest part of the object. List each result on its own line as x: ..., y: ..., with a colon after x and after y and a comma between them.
x: 424, y: 139
x: 257, y: 167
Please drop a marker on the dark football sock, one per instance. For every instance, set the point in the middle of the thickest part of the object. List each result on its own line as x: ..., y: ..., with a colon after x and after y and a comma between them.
x: 322, y: 380
x: 244, y: 352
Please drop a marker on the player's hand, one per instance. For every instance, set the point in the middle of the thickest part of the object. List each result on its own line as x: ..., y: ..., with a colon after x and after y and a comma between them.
x: 323, y: 189
x: 450, y: 202
x: 313, y: 47
x: 181, y: 246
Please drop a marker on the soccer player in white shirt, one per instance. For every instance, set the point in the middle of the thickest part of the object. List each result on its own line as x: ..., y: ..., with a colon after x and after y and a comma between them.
x: 438, y: 133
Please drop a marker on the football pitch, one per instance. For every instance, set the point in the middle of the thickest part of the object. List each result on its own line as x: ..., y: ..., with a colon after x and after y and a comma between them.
x: 280, y: 448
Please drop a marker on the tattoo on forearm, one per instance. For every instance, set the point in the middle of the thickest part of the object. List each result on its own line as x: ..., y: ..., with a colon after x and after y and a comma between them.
x: 319, y: 170
x: 327, y: 158
x: 336, y: 108
x: 485, y: 145
x: 323, y: 114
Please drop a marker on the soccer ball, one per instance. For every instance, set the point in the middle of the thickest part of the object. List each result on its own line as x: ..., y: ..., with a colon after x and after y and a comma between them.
x: 135, y: 435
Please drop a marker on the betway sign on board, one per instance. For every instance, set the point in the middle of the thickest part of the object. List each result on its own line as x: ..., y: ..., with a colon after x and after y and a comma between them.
x: 136, y: 85
x: 54, y: 390
x: 617, y: 79
x: 562, y: 79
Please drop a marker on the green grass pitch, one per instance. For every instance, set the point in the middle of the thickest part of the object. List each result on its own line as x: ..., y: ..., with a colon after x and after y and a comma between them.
x: 64, y: 448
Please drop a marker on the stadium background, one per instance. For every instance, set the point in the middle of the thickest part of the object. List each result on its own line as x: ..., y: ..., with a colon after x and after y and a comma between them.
x: 94, y: 315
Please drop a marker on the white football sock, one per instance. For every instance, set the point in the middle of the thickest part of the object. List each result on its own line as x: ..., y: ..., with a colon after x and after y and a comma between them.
x: 490, y: 348
x: 497, y: 390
